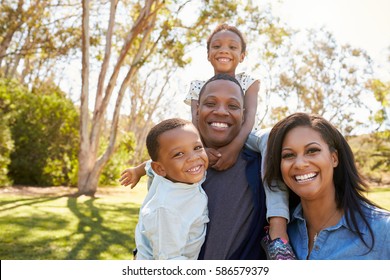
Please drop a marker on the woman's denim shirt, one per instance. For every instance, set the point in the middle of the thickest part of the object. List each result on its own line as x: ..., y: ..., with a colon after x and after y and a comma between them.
x: 340, y: 242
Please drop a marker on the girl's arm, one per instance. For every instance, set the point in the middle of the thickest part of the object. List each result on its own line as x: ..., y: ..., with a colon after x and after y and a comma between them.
x: 277, y: 198
x: 230, y: 152
x: 132, y: 175
x: 194, y: 107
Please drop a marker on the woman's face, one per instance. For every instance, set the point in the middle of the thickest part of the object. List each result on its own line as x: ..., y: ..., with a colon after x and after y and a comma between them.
x: 307, y: 163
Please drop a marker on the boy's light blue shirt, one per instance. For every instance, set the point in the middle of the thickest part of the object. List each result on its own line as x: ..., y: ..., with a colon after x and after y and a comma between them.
x: 339, y: 242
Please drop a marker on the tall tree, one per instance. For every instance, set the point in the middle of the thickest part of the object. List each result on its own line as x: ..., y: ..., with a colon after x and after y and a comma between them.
x: 34, y: 36
x: 157, y: 33
x: 322, y: 77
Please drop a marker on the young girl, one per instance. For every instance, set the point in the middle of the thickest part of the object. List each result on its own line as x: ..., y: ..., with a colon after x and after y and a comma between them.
x: 226, y: 48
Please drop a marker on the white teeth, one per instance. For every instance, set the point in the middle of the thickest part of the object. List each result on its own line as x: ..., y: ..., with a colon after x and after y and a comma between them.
x: 224, y: 59
x: 305, y: 177
x: 219, y: 124
x: 195, y: 169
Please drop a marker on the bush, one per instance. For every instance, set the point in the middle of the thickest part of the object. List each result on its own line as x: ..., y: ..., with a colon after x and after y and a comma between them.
x: 44, y: 130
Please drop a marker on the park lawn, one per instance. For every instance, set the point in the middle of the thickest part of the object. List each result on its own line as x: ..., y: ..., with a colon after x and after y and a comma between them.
x: 63, y: 227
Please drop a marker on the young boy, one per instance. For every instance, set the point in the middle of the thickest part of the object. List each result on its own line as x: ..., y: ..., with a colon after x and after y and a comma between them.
x: 173, y: 217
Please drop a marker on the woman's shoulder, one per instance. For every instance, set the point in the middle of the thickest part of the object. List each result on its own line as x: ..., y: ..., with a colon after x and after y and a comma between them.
x: 377, y: 216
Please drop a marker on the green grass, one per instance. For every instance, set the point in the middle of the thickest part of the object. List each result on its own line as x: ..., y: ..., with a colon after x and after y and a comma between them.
x: 62, y: 227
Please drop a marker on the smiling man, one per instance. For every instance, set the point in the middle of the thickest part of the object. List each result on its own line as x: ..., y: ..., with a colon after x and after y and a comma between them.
x: 236, y: 195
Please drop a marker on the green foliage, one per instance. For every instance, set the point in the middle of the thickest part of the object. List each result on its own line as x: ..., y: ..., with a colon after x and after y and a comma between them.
x: 44, y: 130
x: 372, y: 155
x: 119, y: 161
x: 8, y: 91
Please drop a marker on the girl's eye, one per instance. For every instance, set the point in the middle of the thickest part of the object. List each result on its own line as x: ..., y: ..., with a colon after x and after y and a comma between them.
x: 200, y: 147
x: 233, y: 47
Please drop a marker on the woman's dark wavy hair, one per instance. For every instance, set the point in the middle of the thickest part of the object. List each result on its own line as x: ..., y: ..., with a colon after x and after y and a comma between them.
x: 348, y: 183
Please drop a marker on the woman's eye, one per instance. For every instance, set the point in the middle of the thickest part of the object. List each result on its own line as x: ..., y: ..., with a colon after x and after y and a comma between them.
x: 287, y: 156
x: 313, y: 150
x: 209, y: 104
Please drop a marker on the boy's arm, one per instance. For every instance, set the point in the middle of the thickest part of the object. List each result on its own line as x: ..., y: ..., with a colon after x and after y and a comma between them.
x: 230, y: 152
x: 167, y: 234
x: 132, y: 175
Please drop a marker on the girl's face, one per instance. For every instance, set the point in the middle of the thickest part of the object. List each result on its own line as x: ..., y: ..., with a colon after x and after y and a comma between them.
x: 225, y: 52
x: 307, y: 163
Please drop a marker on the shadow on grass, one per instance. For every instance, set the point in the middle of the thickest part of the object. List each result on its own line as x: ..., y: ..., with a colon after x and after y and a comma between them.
x: 83, y: 228
x: 19, y: 202
x: 96, y: 238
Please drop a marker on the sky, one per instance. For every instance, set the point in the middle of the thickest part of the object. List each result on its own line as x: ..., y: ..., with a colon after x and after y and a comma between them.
x: 363, y: 24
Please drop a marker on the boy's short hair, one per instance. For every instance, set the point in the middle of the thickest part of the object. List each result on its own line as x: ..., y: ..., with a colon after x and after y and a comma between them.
x: 152, y: 142
x: 217, y: 77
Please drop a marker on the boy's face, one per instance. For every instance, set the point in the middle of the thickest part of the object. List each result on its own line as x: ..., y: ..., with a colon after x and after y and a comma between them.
x: 225, y: 52
x: 181, y: 157
x: 220, y: 113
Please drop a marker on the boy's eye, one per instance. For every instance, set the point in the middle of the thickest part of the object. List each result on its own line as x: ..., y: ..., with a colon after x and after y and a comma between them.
x: 198, y: 147
x: 179, y: 154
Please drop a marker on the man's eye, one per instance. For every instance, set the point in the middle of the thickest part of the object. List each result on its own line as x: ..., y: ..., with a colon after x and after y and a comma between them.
x: 209, y: 104
x: 234, y: 107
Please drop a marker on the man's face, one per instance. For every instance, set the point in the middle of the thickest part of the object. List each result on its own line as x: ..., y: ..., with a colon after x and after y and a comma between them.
x: 220, y: 113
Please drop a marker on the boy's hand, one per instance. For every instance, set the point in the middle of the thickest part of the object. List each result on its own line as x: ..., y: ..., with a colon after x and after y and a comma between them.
x: 130, y: 177
x: 213, y: 155
x: 227, y: 159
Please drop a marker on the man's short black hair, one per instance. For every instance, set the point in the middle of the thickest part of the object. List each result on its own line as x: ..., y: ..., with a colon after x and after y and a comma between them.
x: 221, y: 77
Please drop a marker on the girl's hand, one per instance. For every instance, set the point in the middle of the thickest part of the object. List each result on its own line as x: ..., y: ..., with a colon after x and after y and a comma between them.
x: 130, y: 177
x: 227, y: 159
